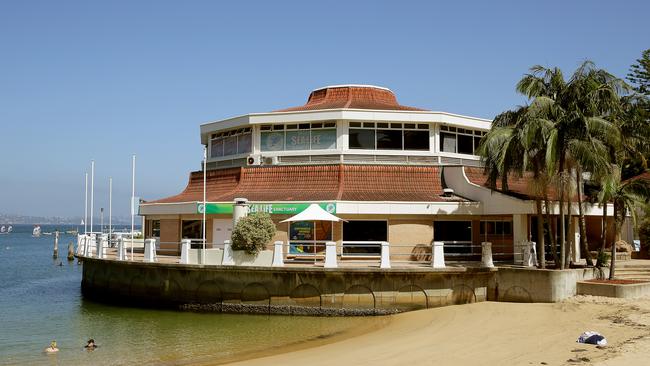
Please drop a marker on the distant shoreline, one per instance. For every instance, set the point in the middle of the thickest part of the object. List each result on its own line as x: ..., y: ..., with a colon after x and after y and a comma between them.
x: 67, y: 223
x: 13, y: 219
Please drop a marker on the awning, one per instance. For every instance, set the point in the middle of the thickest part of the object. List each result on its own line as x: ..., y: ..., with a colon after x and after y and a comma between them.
x: 313, y: 213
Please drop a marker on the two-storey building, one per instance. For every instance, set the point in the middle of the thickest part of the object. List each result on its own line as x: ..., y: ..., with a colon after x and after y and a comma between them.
x: 400, y: 174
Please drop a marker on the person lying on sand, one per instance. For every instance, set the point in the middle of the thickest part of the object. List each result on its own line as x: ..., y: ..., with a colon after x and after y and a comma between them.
x: 52, y: 348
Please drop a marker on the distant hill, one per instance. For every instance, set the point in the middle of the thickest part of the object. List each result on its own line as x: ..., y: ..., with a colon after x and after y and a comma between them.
x: 22, y: 219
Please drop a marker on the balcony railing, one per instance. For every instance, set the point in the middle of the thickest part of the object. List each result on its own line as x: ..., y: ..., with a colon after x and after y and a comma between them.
x: 300, y: 253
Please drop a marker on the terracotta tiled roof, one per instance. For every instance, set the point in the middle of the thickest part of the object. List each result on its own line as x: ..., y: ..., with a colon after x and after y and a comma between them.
x: 520, y: 187
x: 391, y: 183
x: 318, y: 183
x: 351, y: 96
x: 289, y: 183
x: 218, y: 183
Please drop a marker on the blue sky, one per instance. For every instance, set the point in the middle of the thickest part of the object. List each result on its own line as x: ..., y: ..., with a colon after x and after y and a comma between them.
x: 82, y: 80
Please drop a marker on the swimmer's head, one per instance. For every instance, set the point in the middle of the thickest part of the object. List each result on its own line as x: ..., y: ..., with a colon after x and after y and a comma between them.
x: 53, y: 344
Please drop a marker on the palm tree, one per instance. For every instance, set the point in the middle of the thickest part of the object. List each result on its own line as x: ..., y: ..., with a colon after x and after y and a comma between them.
x: 626, y: 196
x: 546, y: 87
x: 632, y: 144
x: 572, y: 113
x: 508, y: 149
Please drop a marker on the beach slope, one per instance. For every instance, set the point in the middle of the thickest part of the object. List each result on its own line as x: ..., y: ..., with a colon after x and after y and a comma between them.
x: 492, y: 333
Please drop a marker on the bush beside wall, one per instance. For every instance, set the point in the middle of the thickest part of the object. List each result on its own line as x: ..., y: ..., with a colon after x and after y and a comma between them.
x: 253, y: 232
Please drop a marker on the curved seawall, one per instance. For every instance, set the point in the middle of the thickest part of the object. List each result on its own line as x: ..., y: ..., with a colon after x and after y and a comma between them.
x: 299, y: 290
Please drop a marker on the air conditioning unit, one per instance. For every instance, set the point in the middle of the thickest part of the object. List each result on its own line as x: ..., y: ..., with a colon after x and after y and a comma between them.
x: 270, y: 160
x: 253, y: 160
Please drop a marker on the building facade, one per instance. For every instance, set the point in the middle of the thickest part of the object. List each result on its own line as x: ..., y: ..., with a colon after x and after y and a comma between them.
x: 396, y: 174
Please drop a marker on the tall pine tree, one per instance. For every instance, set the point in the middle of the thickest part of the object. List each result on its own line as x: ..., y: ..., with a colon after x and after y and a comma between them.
x: 640, y: 74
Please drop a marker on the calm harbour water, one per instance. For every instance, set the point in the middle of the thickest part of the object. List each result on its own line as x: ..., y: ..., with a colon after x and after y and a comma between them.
x: 41, y: 301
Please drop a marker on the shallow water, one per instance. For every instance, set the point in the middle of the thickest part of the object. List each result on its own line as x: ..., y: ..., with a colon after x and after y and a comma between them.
x: 41, y: 301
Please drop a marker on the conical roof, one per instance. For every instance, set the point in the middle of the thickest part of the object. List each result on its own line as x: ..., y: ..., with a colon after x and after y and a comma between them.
x: 353, y: 97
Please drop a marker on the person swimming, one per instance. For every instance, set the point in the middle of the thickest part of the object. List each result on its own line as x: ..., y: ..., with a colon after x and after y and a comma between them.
x: 90, y: 345
x: 52, y: 348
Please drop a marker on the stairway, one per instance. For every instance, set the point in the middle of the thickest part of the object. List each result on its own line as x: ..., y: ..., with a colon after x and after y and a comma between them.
x: 633, y: 270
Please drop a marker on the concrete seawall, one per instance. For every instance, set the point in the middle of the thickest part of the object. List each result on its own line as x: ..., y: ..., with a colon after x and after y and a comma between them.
x: 281, y: 290
x: 539, y: 285
x: 317, y: 291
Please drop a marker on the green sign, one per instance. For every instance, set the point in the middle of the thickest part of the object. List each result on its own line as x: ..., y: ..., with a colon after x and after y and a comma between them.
x: 270, y: 208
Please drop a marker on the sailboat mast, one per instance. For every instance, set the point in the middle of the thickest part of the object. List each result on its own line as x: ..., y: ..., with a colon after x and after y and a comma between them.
x: 86, y: 207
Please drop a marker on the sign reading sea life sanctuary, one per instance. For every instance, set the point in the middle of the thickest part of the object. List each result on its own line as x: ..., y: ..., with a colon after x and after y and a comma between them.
x: 270, y: 208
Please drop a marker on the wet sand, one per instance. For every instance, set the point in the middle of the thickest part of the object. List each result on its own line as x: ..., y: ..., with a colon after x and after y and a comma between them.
x: 491, y: 333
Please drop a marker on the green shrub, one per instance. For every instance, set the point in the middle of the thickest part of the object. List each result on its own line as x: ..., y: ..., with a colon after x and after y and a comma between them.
x: 253, y: 232
x: 603, y: 259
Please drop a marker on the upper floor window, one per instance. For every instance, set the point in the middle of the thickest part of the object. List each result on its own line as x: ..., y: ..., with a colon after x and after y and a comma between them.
x: 299, y: 136
x: 231, y: 142
x: 389, y: 136
x: 459, y: 140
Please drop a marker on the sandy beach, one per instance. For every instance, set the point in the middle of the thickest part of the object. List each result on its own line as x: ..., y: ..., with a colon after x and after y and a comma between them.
x: 492, y: 333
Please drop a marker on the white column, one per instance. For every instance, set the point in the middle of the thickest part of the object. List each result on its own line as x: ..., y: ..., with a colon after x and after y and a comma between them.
x: 330, y: 255
x: 121, y: 249
x: 486, y: 255
x: 342, y: 133
x: 577, y: 254
x: 91, y: 244
x: 239, y: 210
x: 185, y: 251
x: 84, y: 241
x: 434, y: 133
x: 278, y: 254
x: 101, y: 245
x: 81, y: 244
x: 519, y: 237
x: 385, y: 255
x: 438, y: 255
x: 228, y: 259
x: 529, y: 256
x: 150, y: 250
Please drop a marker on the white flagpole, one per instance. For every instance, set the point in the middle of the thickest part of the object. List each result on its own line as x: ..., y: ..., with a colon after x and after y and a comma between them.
x: 92, y: 193
x: 205, y: 159
x: 110, y: 209
x: 86, y: 207
x: 132, y: 202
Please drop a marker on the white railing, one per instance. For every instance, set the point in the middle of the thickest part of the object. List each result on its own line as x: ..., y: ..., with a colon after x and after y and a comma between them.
x: 327, y: 254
